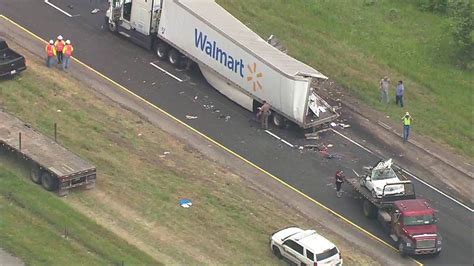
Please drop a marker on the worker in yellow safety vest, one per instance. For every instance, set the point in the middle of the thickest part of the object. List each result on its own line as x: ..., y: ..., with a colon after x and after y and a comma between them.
x: 50, y: 53
x: 407, y: 119
x: 67, y: 52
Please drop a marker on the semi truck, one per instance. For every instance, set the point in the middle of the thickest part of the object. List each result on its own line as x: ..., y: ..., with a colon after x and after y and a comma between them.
x: 232, y: 58
x: 410, y: 222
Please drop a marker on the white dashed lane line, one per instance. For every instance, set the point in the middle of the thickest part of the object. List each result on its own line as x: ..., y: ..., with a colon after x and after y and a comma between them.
x: 166, y: 72
x: 59, y: 9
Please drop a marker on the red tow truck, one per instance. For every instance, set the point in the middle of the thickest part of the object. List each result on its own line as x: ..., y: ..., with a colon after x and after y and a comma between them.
x: 409, y: 221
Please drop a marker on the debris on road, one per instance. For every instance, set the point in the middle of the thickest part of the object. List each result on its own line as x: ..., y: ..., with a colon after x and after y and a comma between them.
x: 95, y: 11
x: 227, y: 118
x: 189, y: 117
x: 316, y: 135
x: 166, y: 152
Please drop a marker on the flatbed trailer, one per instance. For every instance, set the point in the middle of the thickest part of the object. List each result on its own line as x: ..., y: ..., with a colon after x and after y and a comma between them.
x: 51, y: 165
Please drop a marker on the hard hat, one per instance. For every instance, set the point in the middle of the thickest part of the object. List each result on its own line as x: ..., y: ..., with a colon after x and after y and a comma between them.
x: 68, y: 42
x: 407, y: 113
x: 51, y: 42
x: 60, y: 37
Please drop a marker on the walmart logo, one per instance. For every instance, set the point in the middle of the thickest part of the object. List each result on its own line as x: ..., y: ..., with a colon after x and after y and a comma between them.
x: 231, y: 62
x: 254, y: 76
x: 212, y: 49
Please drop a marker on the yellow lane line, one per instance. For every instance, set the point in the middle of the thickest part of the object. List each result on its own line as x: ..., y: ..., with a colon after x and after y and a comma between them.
x: 218, y: 144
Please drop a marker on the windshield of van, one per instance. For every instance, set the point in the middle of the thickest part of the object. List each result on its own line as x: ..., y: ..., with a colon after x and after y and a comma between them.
x: 418, y: 220
x: 382, y: 174
x: 326, y: 254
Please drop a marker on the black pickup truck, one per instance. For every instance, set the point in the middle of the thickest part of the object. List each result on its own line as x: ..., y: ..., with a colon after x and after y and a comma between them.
x: 11, y: 62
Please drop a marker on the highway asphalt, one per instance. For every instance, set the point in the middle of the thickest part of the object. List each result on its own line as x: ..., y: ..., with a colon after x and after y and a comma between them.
x: 229, y: 124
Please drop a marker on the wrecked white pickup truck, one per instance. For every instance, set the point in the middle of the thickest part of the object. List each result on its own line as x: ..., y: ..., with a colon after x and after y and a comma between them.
x: 377, y: 177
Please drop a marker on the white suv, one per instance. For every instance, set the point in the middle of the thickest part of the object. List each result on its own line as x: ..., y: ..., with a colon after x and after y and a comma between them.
x: 304, y: 247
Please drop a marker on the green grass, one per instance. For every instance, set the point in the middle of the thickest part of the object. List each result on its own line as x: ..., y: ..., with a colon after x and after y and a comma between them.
x: 356, y: 43
x: 137, y: 191
x: 33, y: 225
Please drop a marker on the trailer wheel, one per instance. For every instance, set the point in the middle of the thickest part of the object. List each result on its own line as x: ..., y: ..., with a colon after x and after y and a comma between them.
x: 278, y: 120
x: 369, y: 209
x: 112, y: 26
x: 48, y: 181
x: 173, y: 57
x: 35, y: 174
x: 162, y: 50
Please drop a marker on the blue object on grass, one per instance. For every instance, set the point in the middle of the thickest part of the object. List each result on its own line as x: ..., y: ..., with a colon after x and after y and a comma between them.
x: 185, y: 203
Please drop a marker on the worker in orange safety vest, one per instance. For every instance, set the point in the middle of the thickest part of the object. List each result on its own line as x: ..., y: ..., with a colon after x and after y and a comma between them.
x: 50, y: 53
x: 59, y: 45
x: 67, y: 52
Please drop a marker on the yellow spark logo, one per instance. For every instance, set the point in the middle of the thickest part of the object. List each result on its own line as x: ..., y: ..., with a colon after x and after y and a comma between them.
x: 253, y: 76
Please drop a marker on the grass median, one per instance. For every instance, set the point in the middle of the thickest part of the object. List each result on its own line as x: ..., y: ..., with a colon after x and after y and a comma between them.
x: 357, y: 42
x: 144, y: 172
x: 41, y: 229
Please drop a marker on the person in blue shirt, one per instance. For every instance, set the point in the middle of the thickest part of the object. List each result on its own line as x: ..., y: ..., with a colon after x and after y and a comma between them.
x: 399, y: 91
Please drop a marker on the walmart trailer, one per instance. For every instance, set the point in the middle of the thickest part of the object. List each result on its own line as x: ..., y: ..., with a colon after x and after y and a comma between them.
x: 232, y: 58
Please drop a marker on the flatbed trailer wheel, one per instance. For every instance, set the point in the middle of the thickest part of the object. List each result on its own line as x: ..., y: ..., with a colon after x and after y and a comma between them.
x: 48, y: 181
x: 35, y: 174
x: 369, y: 209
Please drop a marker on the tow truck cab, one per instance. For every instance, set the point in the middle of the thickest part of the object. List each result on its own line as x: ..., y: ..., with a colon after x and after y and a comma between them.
x: 412, y: 224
